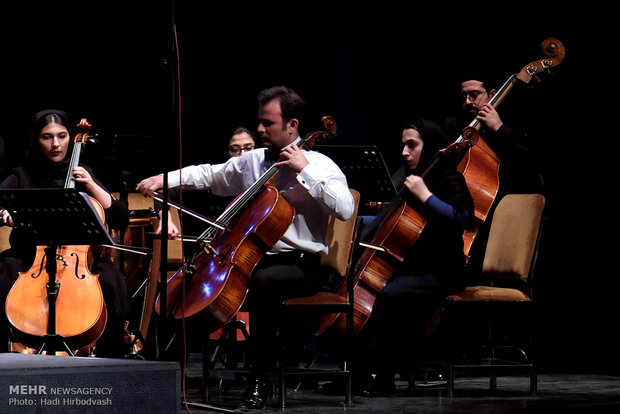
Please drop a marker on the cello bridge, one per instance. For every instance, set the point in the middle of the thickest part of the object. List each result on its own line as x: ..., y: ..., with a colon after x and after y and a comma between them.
x: 206, y: 246
x: 60, y: 257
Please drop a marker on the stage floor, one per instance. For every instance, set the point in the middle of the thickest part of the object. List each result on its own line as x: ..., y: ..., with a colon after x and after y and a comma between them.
x: 558, y: 393
x: 155, y: 387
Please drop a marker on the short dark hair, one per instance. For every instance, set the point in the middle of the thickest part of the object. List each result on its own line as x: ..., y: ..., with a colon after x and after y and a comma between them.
x: 479, y: 75
x: 292, y: 105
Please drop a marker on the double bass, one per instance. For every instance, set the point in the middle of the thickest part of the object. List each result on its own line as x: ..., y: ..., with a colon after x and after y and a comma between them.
x: 214, y: 282
x: 79, y: 312
x: 480, y: 164
x: 403, y: 225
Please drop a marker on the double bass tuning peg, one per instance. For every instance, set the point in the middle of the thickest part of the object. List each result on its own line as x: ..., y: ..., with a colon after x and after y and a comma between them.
x: 532, y: 70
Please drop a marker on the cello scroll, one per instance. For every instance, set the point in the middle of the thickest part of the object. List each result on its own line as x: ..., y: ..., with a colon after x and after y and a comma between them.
x: 319, y: 136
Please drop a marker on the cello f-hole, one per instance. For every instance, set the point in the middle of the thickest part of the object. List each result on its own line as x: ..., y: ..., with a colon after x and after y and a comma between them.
x: 77, y: 266
x: 35, y: 276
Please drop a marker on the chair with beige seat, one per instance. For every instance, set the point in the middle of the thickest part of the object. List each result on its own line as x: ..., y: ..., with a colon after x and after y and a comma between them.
x: 506, y: 304
x: 342, y: 238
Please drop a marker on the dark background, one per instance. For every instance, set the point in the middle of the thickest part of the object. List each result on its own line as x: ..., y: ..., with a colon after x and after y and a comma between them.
x: 371, y: 68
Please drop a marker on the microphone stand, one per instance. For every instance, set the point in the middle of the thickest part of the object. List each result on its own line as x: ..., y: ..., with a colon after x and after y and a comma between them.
x: 169, y: 65
x: 163, y: 325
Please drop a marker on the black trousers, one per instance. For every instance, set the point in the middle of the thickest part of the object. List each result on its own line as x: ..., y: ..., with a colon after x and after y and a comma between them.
x: 276, y: 278
x: 394, y: 333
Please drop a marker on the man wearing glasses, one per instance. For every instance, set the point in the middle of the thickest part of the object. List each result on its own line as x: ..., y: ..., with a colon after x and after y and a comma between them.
x: 518, y: 171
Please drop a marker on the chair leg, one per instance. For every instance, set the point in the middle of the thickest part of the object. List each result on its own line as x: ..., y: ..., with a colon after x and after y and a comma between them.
x: 533, y: 372
x: 347, y: 356
x: 204, y: 386
x: 493, y: 381
x: 282, y: 388
x: 450, y: 375
x: 349, y: 394
x: 534, y: 369
x: 492, y: 356
x: 281, y: 371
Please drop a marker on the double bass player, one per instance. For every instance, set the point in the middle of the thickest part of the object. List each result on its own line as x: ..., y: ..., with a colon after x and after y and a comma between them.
x: 312, y: 183
x: 518, y: 171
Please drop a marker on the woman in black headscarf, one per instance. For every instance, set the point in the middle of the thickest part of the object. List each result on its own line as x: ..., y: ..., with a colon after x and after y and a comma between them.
x: 433, y: 267
x: 46, y: 166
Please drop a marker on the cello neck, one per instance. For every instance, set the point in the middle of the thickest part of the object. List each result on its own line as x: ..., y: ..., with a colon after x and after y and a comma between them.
x: 75, y: 160
x: 242, y: 200
x: 79, y: 140
x: 254, y: 188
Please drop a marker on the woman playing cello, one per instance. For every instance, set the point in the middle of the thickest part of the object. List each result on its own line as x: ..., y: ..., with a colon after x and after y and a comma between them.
x: 46, y: 166
x: 432, y: 268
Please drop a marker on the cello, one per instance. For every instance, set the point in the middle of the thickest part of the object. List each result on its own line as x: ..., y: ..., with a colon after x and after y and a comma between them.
x: 79, y: 313
x: 398, y: 231
x: 214, y: 282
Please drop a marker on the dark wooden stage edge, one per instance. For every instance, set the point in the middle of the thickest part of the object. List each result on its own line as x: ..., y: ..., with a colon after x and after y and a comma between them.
x: 60, y: 384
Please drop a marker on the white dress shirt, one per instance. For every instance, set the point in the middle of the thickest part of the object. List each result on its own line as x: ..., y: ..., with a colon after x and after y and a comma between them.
x: 318, y: 191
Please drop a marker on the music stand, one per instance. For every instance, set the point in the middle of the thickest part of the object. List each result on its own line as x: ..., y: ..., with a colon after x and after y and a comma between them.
x: 365, y: 169
x: 55, y: 217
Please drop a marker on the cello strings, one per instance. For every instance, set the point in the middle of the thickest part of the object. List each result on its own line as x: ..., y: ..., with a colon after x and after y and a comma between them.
x: 240, y: 202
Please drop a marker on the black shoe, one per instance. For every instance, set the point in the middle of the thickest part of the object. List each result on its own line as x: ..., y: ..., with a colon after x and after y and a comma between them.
x: 255, y: 395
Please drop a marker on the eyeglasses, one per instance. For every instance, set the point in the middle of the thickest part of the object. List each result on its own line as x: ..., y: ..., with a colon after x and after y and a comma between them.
x: 236, y: 150
x: 472, y: 95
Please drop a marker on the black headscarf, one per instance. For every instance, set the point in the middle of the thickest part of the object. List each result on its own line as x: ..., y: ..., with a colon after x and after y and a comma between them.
x: 435, y: 139
x: 439, y: 248
x: 39, y: 171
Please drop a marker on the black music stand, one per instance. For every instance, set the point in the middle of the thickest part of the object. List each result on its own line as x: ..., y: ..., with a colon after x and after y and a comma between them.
x: 55, y: 217
x: 365, y: 169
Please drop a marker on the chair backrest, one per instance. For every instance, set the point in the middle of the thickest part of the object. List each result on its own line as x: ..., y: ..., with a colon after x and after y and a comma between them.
x: 513, y: 237
x: 136, y: 201
x: 5, y: 232
x: 339, y: 239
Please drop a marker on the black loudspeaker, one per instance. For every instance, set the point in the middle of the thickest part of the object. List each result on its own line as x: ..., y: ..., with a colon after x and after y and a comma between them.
x: 58, y: 384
